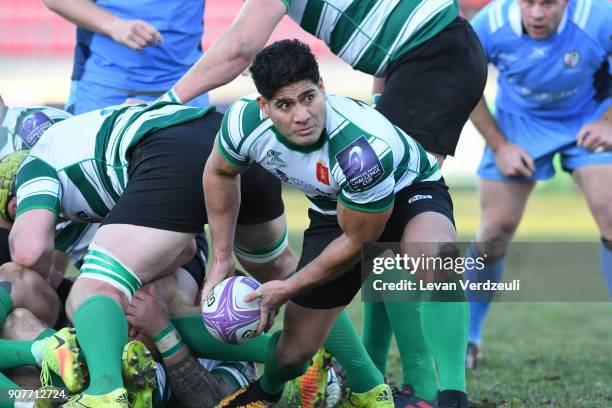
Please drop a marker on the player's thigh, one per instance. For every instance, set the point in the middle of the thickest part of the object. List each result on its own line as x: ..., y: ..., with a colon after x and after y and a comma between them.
x: 145, y: 251
x: 596, y: 184
x: 502, y: 205
x: 304, y: 332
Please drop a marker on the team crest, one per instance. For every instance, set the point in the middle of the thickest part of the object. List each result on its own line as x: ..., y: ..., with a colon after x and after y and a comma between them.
x: 322, y: 173
x: 571, y: 59
x: 360, y: 164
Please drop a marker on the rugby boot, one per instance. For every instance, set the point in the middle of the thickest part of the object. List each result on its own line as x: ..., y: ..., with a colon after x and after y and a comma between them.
x: 407, y: 399
x: 310, y: 389
x: 139, y: 377
x: 62, y: 356
x: 251, y: 396
x: 378, y: 397
x: 452, y: 399
x: 114, y: 399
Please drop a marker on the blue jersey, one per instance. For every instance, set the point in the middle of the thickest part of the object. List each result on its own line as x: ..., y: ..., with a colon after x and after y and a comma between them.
x: 99, y: 59
x: 566, y: 75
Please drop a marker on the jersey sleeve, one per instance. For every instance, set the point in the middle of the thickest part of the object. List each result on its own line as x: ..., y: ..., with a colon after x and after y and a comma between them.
x: 594, y: 17
x: 38, y: 187
x: 231, y: 135
x: 364, y: 171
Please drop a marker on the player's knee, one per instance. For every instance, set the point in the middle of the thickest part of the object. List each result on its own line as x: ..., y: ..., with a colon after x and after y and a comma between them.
x: 602, y: 213
x: 18, y: 315
x: 500, y: 231
x: 83, y: 289
x: 292, y: 356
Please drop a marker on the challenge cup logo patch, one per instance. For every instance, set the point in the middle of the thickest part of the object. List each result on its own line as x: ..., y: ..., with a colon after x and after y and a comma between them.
x: 360, y: 164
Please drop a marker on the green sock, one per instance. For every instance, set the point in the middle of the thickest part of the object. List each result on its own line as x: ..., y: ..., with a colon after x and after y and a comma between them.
x: 6, y: 304
x: 276, y: 375
x: 343, y: 342
x: 47, y: 332
x: 445, y: 327
x: 417, y: 363
x: 5, y: 385
x: 15, y: 353
x: 377, y: 334
x: 102, y: 332
x: 203, y: 345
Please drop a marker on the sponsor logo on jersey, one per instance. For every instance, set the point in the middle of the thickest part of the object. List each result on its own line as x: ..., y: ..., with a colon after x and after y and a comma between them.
x: 538, y: 52
x: 571, y: 59
x: 419, y: 197
x: 322, y: 173
x: 274, y: 159
x: 360, y: 164
x: 302, y: 185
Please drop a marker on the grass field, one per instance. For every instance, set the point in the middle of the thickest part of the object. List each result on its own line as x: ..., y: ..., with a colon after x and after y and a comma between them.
x: 535, y: 354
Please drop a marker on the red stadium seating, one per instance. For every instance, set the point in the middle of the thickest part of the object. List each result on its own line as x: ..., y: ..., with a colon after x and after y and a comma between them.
x: 27, y: 27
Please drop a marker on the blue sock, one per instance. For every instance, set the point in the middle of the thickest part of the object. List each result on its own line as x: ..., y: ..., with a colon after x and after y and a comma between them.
x: 480, y: 300
x: 605, y: 262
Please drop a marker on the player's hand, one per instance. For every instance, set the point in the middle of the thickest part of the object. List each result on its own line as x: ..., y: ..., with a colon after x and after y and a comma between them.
x: 513, y: 160
x: 596, y: 136
x: 273, y: 295
x: 146, y: 312
x: 219, y: 271
x: 136, y: 34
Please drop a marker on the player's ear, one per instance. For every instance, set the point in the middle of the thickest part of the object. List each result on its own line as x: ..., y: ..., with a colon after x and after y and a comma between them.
x: 322, y: 86
x: 264, y: 106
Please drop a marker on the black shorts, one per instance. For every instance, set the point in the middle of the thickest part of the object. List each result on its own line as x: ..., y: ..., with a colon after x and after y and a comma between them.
x: 164, y: 188
x: 428, y: 196
x: 197, y: 266
x: 430, y: 92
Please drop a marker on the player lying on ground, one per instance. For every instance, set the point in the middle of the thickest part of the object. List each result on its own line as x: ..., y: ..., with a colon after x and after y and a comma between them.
x: 554, y: 97
x: 138, y: 170
x: 360, y: 173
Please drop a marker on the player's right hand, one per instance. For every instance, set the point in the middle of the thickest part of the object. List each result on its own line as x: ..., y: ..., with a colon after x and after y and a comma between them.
x: 512, y: 160
x: 220, y: 270
x: 136, y: 34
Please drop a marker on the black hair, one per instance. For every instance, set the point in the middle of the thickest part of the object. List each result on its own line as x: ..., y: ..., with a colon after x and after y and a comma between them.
x: 283, y: 63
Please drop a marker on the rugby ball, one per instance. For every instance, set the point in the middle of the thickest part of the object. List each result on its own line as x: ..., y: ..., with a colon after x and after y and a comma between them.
x: 226, y: 315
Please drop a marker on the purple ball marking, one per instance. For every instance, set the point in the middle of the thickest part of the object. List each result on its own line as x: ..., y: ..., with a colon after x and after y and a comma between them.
x: 227, y: 319
x: 33, y: 127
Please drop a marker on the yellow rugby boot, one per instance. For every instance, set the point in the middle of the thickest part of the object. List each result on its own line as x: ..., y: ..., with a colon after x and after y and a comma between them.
x: 139, y: 374
x: 61, y: 355
x: 114, y: 399
x: 378, y: 397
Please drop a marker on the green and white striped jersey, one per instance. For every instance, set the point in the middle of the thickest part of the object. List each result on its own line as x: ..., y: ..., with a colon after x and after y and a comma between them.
x: 360, y: 160
x: 79, y: 166
x: 368, y: 34
x: 73, y: 238
x: 9, y: 140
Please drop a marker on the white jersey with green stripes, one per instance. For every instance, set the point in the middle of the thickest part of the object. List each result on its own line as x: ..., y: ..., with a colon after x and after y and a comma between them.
x: 9, y: 140
x: 79, y: 167
x: 368, y: 34
x: 360, y: 160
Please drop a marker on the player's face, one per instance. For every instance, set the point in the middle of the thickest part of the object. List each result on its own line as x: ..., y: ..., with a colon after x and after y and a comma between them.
x: 298, y: 111
x: 541, y: 18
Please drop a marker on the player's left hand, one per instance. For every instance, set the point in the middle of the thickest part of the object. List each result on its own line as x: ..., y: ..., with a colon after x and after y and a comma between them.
x: 596, y: 136
x: 273, y: 295
x: 146, y: 312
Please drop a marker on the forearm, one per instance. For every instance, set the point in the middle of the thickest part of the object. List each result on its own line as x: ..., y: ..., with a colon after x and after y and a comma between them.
x: 192, y: 384
x: 378, y: 85
x: 607, y: 115
x: 222, y: 195
x: 221, y: 64
x: 487, y: 126
x: 84, y: 13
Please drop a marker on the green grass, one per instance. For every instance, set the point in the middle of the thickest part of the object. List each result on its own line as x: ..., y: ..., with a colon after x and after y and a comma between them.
x: 535, y: 354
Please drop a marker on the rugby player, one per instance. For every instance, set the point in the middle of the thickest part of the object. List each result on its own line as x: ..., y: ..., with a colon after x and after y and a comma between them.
x: 137, y: 170
x: 554, y: 92
x: 305, y: 137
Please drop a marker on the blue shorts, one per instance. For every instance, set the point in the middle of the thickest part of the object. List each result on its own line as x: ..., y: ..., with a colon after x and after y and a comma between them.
x: 86, y: 96
x: 543, y: 139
